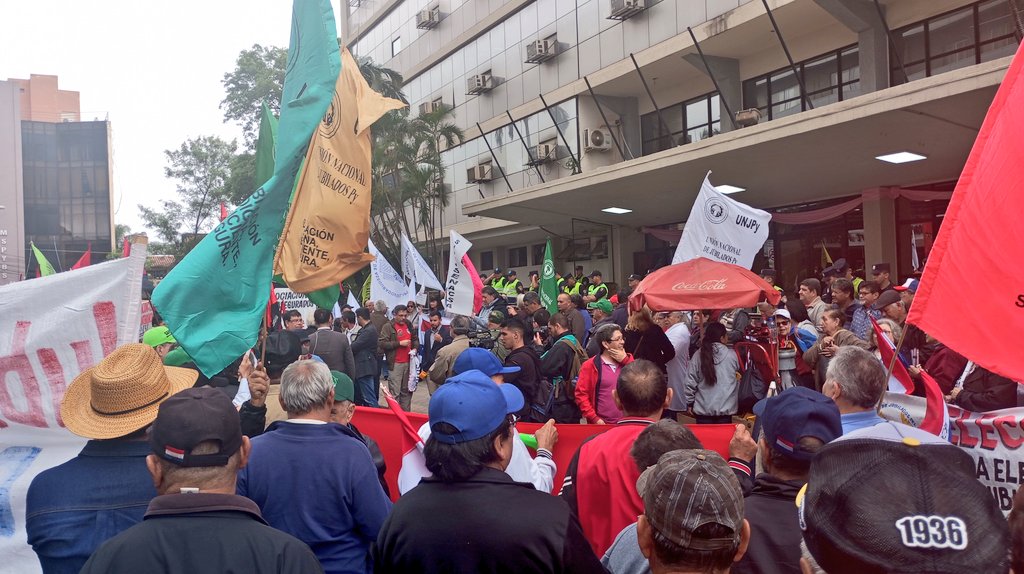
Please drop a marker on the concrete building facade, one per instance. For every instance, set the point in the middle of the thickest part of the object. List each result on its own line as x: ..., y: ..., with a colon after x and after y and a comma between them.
x: 599, y: 104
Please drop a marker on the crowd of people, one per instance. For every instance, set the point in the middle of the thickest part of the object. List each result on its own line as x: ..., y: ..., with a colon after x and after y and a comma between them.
x: 262, y: 469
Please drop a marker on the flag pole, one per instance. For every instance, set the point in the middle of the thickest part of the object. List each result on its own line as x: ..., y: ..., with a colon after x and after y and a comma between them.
x: 896, y: 354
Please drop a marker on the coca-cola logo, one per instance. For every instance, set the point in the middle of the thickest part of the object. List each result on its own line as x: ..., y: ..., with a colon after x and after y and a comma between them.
x: 709, y: 285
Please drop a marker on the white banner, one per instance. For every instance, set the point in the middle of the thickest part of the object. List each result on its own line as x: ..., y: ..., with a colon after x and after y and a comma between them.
x: 52, y: 329
x: 415, y: 267
x: 722, y: 229
x: 352, y: 301
x: 296, y: 301
x: 386, y: 284
x: 994, y: 439
x: 459, y: 291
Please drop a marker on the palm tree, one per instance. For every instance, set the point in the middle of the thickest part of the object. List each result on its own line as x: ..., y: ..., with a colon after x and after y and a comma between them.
x: 432, y: 133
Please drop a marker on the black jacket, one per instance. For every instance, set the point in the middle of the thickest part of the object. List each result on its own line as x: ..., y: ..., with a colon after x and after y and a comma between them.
x: 527, y: 380
x: 557, y: 360
x: 364, y: 351
x: 200, y: 533
x: 488, y: 523
x: 986, y: 391
x: 774, y: 529
x: 651, y: 344
x: 429, y: 348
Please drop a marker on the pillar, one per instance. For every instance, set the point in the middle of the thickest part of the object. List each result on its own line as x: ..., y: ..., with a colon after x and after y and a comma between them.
x: 880, y: 230
x: 727, y: 73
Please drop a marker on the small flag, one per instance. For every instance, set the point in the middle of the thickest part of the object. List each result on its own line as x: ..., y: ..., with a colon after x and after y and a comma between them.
x: 899, y: 379
x: 126, y: 247
x: 85, y: 260
x: 266, y: 145
x: 223, y: 211
x: 45, y: 268
x: 826, y: 259
x: 352, y: 301
x: 478, y: 284
x: 548, y: 283
x: 414, y: 464
x: 936, y: 416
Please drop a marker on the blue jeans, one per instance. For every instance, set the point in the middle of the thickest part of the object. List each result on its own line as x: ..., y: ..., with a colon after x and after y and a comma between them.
x: 368, y: 388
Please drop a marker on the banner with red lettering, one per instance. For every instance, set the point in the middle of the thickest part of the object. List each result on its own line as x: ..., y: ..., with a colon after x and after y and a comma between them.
x: 52, y: 329
x: 994, y: 439
x: 384, y: 427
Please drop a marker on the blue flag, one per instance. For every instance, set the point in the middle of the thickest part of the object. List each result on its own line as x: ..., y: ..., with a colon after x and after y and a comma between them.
x: 214, y: 299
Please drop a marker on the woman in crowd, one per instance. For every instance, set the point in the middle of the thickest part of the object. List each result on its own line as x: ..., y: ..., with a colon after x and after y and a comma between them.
x: 713, y: 380
x: 892, y: 331
x: 646, y: 340
x: 792, y: 344
x: 599, y: 375
x: 834, y: 336
x: 588, y: 321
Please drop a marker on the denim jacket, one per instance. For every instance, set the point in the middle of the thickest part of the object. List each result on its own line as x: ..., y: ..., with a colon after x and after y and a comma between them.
x: 75, y: 507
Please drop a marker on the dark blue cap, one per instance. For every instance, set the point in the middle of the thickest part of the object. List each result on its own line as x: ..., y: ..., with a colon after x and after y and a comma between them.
x: 472, y: 403
x: 480, y: 359
x: 796, y: 413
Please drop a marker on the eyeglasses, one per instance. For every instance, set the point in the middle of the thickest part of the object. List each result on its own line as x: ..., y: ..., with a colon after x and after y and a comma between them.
x: 619, y: 340
x: 782, y: 322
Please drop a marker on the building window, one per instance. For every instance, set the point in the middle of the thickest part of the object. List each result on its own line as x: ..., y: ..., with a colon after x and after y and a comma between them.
x: 829, y: 78
x: 486, y: 262
x: 687, y: 122
x: 538, y: 253
x: 396, y: 46
x: 517, y: 257
x: 970, y: 35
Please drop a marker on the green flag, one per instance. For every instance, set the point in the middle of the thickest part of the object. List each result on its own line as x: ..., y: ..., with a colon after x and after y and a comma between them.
x: 44, y: 266
x: 265, y: 146
x: 214, y: 299
x: 325, y: 298
x: 364, y: 293
x: 548, y: 284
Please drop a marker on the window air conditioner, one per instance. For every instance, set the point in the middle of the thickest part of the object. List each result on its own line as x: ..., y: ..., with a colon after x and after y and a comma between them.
x: 596, y: 139
x: 428, y: 19
x: 479, y: 173
x: 624, y: 9
x: 479, y: 84
x: 541, y: 51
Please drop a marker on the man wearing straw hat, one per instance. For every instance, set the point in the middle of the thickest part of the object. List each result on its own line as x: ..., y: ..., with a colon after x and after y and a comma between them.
x: 73, y: 508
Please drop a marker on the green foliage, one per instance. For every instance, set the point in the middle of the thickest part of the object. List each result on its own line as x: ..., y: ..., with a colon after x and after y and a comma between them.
x: 258, y: 77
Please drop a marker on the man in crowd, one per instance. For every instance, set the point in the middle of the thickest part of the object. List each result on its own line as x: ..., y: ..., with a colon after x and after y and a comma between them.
x: 434, y: 340
x: 293, y: 320
x: 500, y: 525
x: 74, y: 507
x: 560, y: 363
x: 349, y: 325
x: 577, y: 326
x: 621, y: 312
x: 844, y: 271
x: 678, y: 334
x: 796, y: 424
x: 197, y: 448
x: 880, y: 272
x: 314, y: 479
x: 599, y: 482
x: 514, y: 336
x: 344, y: 410
x: 856, y: 316
x: 597, y: 289
x: 490, y: 297
x: 333, y: 347
x: 441, y: 369
x: 828, y: 275
x: 570, y: 285
x: 907, y: 291
x: 364, y: 354
x: 601, y: 312
x: 633, y: 280
x: 855, y: 381
x: 399, y: 341
x: 692, y: 517
x: 810, y: 290
x: 869, y: 294
x: 920, y: 508
x: 531, y: 303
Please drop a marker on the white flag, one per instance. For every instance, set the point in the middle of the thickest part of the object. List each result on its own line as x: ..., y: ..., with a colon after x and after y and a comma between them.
x: 352, y: 301
x: 415, y: 267
x: 722, y: 229
x: 387, y: 285
x: 459, y: 292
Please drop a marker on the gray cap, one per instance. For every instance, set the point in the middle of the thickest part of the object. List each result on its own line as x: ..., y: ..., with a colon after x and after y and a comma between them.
x: 688, y: 489
x: 888, y: 297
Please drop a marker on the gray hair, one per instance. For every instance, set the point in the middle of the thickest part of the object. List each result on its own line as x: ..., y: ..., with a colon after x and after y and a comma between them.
x: 897, y: 331
x: 380, y: 307
x: 859, y: 374
x: 305, y: 385
x: 806, y: 555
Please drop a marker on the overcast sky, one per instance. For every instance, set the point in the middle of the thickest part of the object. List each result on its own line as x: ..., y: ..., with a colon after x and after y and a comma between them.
x: 153, y: 68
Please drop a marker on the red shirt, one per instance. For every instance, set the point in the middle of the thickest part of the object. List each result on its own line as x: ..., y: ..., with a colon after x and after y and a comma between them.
x: 402, y: 353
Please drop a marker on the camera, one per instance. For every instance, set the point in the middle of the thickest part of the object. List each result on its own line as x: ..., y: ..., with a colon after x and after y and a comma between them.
x: 479, y: 335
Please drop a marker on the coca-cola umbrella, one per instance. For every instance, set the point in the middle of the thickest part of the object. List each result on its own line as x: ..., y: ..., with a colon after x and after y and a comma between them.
x: 701, y: 284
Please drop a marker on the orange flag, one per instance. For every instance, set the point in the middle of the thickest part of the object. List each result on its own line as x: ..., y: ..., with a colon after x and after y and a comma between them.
x: 328, y: 226
x: 981, y: 242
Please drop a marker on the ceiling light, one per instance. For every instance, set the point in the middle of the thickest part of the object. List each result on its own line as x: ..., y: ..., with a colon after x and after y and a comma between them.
x: 616, y: 210
x: 901, y: 157
x: 727, y: 189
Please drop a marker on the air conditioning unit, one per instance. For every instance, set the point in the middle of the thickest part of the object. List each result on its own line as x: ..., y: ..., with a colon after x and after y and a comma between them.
x: 541, y: 51
x: 625, y: 9
x: 428, y: 19
x: 545, y: 153
x: 597, y: 139
x: 430, y: 107
x: 479, y: 84
x: 479, y: 173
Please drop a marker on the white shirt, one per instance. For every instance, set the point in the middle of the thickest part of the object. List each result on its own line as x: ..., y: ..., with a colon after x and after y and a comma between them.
x: 679, y: 336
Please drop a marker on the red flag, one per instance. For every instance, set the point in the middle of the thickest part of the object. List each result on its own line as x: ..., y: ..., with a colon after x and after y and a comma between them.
x: 85, y: 260
x: 899, y: 380
x: 478, y: 284
x: 936, y: 417
x: 126, y: 248
x: 223, y: 211
x: 269, y: 317
x: 980, y: 233
x: 414, y: 465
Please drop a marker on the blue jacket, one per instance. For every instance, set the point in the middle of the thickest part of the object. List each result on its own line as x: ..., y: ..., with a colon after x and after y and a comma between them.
x: 74, y: 508
x: 318, y: 483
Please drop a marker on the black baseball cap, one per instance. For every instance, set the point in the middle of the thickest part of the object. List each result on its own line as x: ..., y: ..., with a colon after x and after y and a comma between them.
x: 595, y: 273
x: 636, y: 277
x: 880, y: 268
x: 888, y: 297
x: 191, y: 417
x: 767, y: 272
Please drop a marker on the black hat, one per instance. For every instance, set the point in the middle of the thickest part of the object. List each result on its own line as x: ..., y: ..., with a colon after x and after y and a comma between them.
x: 840, y: 265
x: 283, y: 349
x: 511, y: 272
x: 829, y: 271
x: 594, y: 273
x: 907, y: 505
x: 768, y: 272
x: 636, y: 277
x: 888, y: 297
x: 880, y: 268
x: 191, y: 417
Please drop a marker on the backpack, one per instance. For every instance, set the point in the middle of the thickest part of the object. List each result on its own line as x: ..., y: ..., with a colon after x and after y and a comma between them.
x: 557, y: 399
x: 752, y: 387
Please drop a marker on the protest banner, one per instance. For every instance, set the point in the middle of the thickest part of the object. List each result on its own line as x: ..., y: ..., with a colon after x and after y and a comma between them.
x: 722, y: 229
x: 297, y: 301
x: 52, y: 329
x: 994, y: 439
x: 385, y: 427
x: 459, y: 291
x: 386, y: 284
x: 415, y: 267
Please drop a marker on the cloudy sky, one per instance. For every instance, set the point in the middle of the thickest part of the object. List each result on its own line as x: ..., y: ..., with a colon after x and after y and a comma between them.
x: 153, y: 68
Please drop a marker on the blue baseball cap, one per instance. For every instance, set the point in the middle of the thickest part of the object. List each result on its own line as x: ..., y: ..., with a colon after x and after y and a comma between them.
x: 473, y: 404
x: 476, y: 358
x: 796, y: 413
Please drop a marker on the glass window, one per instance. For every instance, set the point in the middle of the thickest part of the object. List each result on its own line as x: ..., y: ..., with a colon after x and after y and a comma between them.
x: 396, y: 46
x: 829, y: 78
x: 684, y: 123
x: 486, y: 261
x: 538, y: 253
x: 517, y: 257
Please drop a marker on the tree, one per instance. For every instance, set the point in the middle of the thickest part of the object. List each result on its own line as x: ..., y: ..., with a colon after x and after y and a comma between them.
x: 258, y: 77
x: 202, y: 167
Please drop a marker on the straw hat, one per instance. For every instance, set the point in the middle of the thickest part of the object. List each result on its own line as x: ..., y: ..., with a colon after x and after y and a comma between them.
x: 122, y: 393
